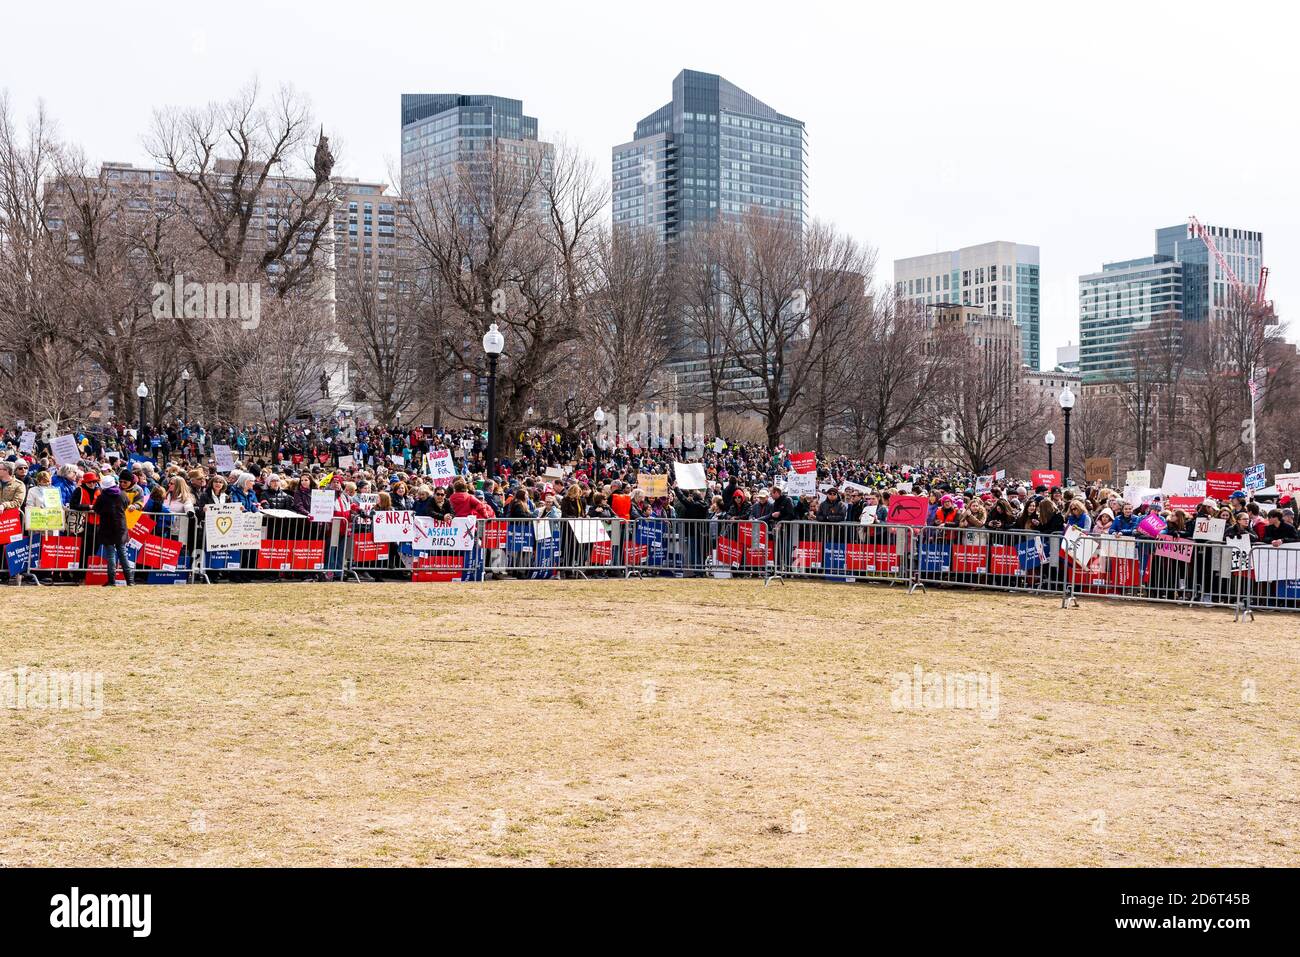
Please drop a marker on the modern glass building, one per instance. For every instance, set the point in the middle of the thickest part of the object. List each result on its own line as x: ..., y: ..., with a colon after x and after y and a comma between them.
x: 440, y: 130
x: 998, y: 278
x: 1120, y: 300
x: 1208, y: 286
x: 713, y: 151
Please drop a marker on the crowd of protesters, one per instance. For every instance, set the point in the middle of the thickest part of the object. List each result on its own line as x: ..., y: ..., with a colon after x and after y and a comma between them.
x: 552, y: 476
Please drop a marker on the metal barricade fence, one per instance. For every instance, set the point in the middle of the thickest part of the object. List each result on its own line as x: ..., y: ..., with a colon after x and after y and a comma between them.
x: 1167, y: 569
x: 271, y: 543
x: 1274, y: 578
x: 542, y: 548
x: 159, y: 550
x: 1015, y: 560
x: 845, y: 551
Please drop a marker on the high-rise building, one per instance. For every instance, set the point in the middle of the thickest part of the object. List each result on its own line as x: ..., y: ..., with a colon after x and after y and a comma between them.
x: 713, y: 151
x: 998, y: 278
x: 441, y: 131
x: 1121, y: 299
x: 1206, y: 285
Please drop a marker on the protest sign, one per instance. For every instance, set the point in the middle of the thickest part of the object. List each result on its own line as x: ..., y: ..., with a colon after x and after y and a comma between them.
x: 908, y: 510
x: 589, y: 530
x: 1152, y: 524
x: 367, y: 500
x: 855, y: 487
x: 803, y: 462
x: 554, y: 471
x: 398, y: 460
x: 1098, y: 469
x: 1209, y: 529
x: 440, y: 466
x: 983, y: 483
x: 1049, y: 477
x: 454, y: 536
x: 690, y: 475
x: 999, y: 475
x: 1221, y: 485
x: 45, y: 519
x: 654, y: 486
x: 223, y: 458
x: 1187, y: 503
x: 11, y: 525
x: 1175, y: 480
x: 65, y: 450
x: 1288, y: 483
x: 1276, y: 564
x: 1138, y: 478
x: 1253, y: 480
x: 27, y: 442
x: 322, y: 505
x: 229, y: 527
x: 802, y: 484
x: 1177, y: 549
x: 346, y: 462
x: 394, y: 525
x: 719, y: 446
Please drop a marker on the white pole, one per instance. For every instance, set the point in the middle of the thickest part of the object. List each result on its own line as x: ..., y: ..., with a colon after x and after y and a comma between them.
x: 1251, y: 390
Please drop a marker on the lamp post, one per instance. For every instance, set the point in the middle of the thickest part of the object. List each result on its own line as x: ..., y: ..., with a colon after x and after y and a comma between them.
x: 185, y: 394
x: 493, y: 344
x: 1286, y: 466
x: 1066, y: 398
x: 1049, y: 440
x: 143, y: 392
x: 80, y: 390
x: 599, y: 416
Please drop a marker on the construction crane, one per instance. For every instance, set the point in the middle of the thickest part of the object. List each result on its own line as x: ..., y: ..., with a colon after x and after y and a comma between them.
x: 1264, y: 307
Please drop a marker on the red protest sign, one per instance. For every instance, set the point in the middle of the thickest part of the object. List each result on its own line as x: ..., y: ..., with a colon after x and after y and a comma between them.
x: 969, y: 559
x: 807, y: 554
x: 908, y: 510
x: 1185, y: 502
x: 155, y: 552
x: 1048, y: 477
x: 494, y: 535
x: 1004, y: 560
x: 1221, y: 485
x: 60, y: 551
x: 11, y: 525
x: 437, y: 568
x: 803, y: 462
x: 728, y: 551
x: 366, y: 549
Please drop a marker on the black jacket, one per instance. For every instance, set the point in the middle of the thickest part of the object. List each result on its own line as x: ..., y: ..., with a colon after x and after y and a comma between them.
x: 110, y: 506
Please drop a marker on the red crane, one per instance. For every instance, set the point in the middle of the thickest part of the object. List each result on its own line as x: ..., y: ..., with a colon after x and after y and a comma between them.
x: 1200, y: 232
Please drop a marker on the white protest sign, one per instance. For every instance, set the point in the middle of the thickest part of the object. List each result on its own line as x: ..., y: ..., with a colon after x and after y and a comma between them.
x: 588, y: 531
x: 27, y: 442
x: 1209, y: 529
x: 346, y: 461
x: 691, y: 475
x: 1287, y: 483
x: 440, y: 466
x: 1276, y: 564
x: 395, y: 525
x: 719, y: 445
x: 221, y: 455
x: 229, y: 527
x: 983, y: 483
x: 280, y: 513
x: 454, y: 536
x: 1176, y: 478
x: 367, y: 500
x: 1196, y: 488
x: 1138, y: 478
x: 322, y: 505
x: 397, y: 460
x: 554, y: 471
x: 854, y: 487
x: 65, y: 450
x: 801, y: 484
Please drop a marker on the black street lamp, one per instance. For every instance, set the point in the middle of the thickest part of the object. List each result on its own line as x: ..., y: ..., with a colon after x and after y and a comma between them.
x: 493, y: 344
x: 143, y: 392
x: 1049, y: 440
x: 185, y: 394
x: 1066, y: 398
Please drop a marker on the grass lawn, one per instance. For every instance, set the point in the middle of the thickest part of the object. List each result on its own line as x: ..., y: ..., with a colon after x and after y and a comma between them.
x: 652, y: 722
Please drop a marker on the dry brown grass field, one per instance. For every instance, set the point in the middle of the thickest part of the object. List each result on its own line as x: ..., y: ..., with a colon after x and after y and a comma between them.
x: 651, y: 722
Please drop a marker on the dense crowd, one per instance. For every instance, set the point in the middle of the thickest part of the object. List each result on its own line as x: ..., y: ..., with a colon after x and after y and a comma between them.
x: 548, y: 475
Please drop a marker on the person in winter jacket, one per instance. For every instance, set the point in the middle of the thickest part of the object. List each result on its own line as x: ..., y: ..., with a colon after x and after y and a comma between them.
x: 110, y: 508
x: 466, y: 505
x: 831, y: 510
x: 1126, y: 522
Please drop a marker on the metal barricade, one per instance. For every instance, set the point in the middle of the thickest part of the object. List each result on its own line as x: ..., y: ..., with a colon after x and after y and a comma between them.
x: 846, y: 552
x: 1013, y: 560
x: 274, y: 544
x: 1273, y: 578
x: 552, y: 548
x: 1165, y: 569
x: 159, y: 550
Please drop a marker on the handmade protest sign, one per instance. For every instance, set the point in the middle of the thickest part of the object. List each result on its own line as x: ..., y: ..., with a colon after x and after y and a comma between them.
x: 690, y: 475
x: 589, y: 530
x: 1288, y: 483
x: 654, y: 486
x: 44, y: 519
x: 346, y: 462
x: 65, y: 449
x: 454, y: 536
x: 1098, y: 469
x: 394, y: 525
x: 27, y: 442
x: 983, y: 483
x: 1176, y: 479
x: 1253, y: 479
x: 440, y: 466
x: 1178, y: 549
x: 802, y: 484
x: 1209, y: 529
x: 719, y: 445
x: 908, y: 510
x: 228, y: 527
x: 322, y: 505
x: 1152, y: 524
x: 1138, y: 478
x: 223, y: 458
x: 1276, y: 564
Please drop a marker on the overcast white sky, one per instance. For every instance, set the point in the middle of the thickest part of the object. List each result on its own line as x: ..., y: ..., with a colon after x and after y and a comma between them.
x: 1077, y: 128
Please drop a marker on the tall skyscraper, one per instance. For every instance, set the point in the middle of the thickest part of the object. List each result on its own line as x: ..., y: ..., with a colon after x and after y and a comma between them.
x: 713, y: 151
x: 1121, y: 299
x: 1207, y: 285
x: 998, y: 278
x: 442, y: 130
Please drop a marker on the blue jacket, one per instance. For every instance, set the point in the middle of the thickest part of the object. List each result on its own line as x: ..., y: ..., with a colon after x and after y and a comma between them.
x: 66, y: 488
x: 247, y: 499
x: 1124, y: 526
